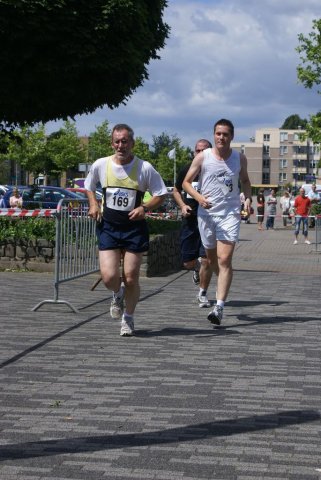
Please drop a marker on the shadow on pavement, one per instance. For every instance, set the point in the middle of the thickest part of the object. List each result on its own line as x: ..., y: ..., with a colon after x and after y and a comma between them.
x: 176, y: 331
x: 44, y: 342
x: 271, y: 320
x: 250, y: 303
x: 189, y: 433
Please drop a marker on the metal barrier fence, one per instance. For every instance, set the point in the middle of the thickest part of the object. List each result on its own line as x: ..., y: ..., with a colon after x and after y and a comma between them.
x: 76, y: 253
x: 317, y: 233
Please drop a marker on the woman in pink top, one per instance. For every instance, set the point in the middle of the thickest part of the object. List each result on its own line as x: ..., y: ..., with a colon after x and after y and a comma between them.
x: 15, y: 201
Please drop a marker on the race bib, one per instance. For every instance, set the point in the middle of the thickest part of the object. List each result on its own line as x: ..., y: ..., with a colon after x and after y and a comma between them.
x: 121, y: 199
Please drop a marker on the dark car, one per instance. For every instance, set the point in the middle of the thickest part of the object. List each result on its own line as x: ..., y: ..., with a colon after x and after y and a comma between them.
x: 82, y: 192
x: 40, y: 196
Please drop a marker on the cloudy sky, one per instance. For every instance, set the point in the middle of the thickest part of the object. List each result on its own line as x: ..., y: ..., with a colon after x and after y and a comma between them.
x: 224, y: 58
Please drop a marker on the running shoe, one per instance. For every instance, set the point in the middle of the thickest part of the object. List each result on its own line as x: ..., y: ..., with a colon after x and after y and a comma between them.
x: 203, y: 301
x: 117, y: 305
x: 295, y: 242
x: 196, y: 277
x: 307, y: 242
x: 216, y: 315
x: 127, y: 328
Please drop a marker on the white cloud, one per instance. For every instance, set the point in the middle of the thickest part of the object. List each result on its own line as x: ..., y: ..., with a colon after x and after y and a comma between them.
x: 224, y: 58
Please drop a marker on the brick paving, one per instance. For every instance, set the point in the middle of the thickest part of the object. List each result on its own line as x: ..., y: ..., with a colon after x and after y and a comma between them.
x: 181, y: 400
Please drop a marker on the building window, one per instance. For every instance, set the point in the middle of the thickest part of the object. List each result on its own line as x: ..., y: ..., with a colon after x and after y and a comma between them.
x: 266, y: 178
x: 282, y: 177
x: 266, y: 137
x: 266, y: 149
x: 283, y: 136
x: 266, y: 163
x: 283, y: 149
x: 283, y: 163
x: 242, y: 148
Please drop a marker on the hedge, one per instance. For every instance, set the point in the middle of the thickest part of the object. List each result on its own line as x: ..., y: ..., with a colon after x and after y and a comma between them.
x: 33, y: 228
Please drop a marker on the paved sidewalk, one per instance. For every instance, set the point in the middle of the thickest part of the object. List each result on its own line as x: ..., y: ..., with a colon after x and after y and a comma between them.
x: 181, y: 400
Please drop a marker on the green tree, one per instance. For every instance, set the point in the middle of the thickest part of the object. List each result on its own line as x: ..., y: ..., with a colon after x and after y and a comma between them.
x: 309, y: 73
x: 99, y: 144
x: 35, y: 158
x: 293, y: 122
x: 313, y: 129
x: 65, y: 149
x: 162, y: 145
x: 26, y: 147
x: 141, y: 149
x: 60, y: 58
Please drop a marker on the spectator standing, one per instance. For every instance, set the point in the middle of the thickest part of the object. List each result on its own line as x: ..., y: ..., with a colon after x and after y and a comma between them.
x: 15, y: 201
x: 285, y: 207
x: 302, y: 207
x: 260, y: 200
x: 191, y: 244
x: 122, y: 229
x: 314, y: 197
x: 271, y: 202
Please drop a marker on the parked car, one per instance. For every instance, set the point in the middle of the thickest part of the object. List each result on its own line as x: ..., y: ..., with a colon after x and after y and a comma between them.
x: 3, y: 189
x: 82, y: 192
x: 40, y: 196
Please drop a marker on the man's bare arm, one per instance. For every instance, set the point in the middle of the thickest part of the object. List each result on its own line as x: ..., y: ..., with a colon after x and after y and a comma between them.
x: 94, y: 209
x: 138, y: 213
x: 192, y: 173
x: 178, y: 197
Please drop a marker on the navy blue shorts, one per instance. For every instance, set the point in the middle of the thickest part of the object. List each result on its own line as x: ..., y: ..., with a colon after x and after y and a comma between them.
x: 132, y: 237
x: 191, y: 244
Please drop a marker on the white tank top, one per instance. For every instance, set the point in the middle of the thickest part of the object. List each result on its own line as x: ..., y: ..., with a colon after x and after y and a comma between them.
x: 219, y: 182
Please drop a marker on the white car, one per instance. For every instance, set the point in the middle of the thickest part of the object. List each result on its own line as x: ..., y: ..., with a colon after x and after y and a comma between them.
x: 3, y: 189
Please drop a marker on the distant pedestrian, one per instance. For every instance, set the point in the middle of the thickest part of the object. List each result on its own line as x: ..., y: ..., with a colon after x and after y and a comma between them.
x: 315, y: 199
x: 15, y: 201
x: 285, y: 207
x: 271, y: 202
x: 302, y: 207
x: 260, y: 200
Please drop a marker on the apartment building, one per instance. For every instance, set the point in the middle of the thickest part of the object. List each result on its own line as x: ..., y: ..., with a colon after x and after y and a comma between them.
x: 279, y: 157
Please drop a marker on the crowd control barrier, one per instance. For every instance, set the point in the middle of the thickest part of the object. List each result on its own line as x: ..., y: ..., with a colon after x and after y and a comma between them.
x: 76, y: 253
x: 318, y: 233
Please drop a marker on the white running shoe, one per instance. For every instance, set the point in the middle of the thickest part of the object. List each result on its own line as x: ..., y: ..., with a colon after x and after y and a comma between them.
x: 196, y: 277
x: 295, y: 242
x: 216, y: 315
x: 307, y: 242
x: 117, y: 305
x: 127, y: 328
x: 203, y: 301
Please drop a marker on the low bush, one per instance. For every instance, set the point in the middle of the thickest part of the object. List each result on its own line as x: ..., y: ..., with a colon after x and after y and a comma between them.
x: 316, y: 210
x: 157, y: 226
x: 33, y: 228
x: 27, y: 228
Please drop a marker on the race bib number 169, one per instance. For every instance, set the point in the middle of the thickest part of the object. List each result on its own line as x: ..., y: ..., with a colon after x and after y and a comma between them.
x: 120, y: 199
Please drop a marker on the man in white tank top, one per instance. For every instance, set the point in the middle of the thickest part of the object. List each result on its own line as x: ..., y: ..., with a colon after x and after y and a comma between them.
x: 219, y: 170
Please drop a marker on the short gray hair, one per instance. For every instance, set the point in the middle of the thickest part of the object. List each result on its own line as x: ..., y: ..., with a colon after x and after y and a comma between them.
x: 123, y: 126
